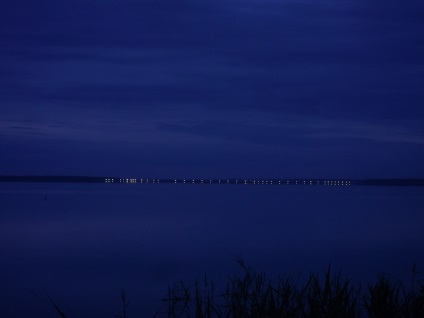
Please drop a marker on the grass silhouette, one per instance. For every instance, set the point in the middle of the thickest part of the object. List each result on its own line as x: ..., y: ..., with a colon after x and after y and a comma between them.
x: 252, y: 295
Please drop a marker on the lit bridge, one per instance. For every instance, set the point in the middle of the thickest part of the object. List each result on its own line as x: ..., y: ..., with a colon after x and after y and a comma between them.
x: 254, y: 182
x: 304, y: 182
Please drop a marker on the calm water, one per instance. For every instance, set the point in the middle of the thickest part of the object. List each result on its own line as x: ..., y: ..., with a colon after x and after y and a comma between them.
x: 80, y: 244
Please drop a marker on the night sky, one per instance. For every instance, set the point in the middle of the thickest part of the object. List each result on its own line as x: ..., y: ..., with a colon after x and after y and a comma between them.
x: 199, y: 88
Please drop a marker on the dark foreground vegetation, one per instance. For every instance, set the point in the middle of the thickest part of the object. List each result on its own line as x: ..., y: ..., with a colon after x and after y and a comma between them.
x: 252, y: 295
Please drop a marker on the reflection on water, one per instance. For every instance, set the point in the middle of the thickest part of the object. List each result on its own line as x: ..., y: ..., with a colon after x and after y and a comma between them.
x: 81, y: 243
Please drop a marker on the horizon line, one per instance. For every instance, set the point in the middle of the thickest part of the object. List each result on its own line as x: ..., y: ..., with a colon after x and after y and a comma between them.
x: 241, y: 181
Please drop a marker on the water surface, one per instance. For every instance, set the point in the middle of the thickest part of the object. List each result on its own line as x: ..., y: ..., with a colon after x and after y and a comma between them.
x: 81, y: 243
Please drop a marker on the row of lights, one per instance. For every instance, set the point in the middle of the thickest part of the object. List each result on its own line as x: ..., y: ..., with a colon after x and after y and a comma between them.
x: 305, y: 182
x: 149, y: 180
x: 337, y: 183
x: 203, y: 181
x: 255, y: 182
x: 133, y: 180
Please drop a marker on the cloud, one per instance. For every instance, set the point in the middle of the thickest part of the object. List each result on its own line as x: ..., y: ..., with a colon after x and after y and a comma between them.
x: 340, y: 60
x: 256, y: 75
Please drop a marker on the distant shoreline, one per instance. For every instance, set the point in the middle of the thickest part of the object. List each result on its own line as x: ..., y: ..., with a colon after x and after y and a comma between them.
x: 58, y: 179
x: 304, y: 182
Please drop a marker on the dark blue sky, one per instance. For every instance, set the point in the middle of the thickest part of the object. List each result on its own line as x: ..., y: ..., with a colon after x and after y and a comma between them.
x: 252, y: 88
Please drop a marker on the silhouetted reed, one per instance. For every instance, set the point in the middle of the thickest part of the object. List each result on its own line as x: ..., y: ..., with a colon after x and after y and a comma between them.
x: 252, y: 295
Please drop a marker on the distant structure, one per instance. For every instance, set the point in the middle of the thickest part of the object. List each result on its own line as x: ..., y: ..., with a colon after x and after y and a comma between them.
x: 304, y: 182
x: 253, y: 182
x: 309, y: 182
